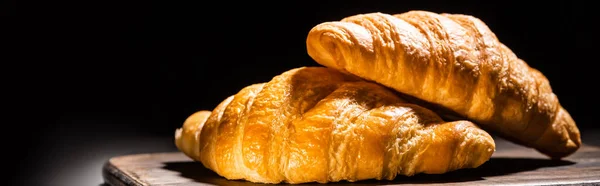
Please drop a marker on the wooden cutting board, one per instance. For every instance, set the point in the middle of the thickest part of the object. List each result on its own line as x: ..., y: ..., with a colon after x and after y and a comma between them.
x: 510, y: 165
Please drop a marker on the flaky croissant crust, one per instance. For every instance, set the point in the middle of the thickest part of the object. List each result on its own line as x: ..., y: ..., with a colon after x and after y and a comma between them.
x: 316, y: 124
x: 456, y: 62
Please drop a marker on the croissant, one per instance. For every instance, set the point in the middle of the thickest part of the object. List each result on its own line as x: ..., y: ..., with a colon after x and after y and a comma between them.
x: 455, y: 62
x: 317, y: 124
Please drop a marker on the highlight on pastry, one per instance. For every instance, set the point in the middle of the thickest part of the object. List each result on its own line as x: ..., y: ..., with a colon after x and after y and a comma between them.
x: 453, y: 61
x: 317, y: 124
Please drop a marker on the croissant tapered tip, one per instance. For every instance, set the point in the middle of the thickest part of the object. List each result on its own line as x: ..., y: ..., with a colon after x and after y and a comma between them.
x: 322, y: 43
x: 479, y: 145
x: 178, y: 137
x: 456, y: 145
x: 562, y: 137
x: 490, y: 145
x: 328, y: 43
x: 187, y: 137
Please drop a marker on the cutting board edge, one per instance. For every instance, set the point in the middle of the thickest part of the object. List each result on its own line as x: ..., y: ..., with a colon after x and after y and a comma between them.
x: 117, y: 177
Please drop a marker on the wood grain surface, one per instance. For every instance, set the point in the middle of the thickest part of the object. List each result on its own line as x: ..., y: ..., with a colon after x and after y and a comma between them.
x: 510, y: 165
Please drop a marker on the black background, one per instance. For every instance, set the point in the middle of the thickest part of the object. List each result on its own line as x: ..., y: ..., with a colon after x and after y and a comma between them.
x: 107, y: 70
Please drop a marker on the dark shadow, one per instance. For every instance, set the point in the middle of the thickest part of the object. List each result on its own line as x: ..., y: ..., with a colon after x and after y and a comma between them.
x: 494, y: 167
x: 197, y: 172
x: 504, y: 166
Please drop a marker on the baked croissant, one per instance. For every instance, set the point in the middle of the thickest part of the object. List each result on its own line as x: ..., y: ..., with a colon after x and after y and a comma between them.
x: 316, y: 124
x: 452, y: 61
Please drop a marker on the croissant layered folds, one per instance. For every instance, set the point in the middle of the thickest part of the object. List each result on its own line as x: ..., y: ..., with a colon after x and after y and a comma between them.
x: 455, y: 62
x: 317, y: 124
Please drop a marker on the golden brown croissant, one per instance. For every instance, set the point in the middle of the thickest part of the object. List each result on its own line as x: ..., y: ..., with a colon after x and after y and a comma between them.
x: 316, y: 124
x: 455, y: 62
